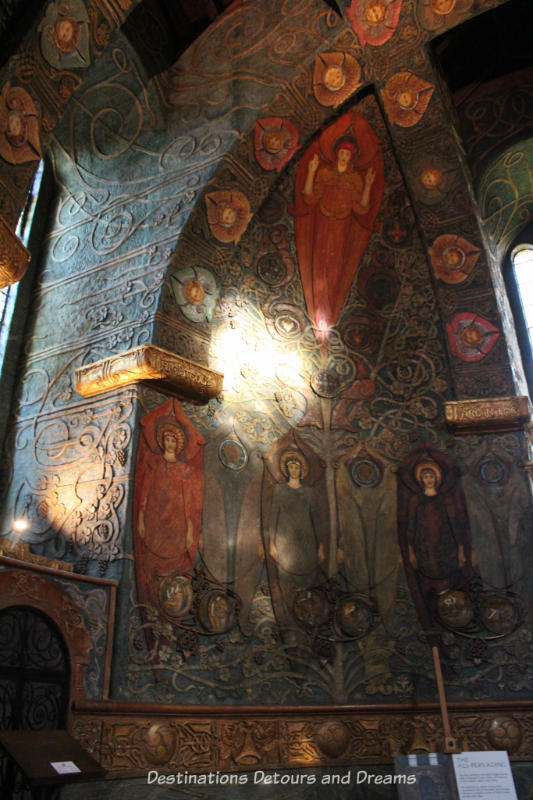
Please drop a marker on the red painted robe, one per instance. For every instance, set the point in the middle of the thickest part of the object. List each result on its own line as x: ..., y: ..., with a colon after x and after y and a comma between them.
x: 332, y: 228
x: 170, y: 497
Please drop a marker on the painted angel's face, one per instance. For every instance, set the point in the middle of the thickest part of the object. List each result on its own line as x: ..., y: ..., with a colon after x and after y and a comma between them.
x: 294, y: 469
x: 429, y: 480
x: 170, y: 442
x: 343, y: 157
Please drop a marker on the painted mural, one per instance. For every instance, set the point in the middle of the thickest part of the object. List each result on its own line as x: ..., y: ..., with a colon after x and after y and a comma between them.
x: 302, y: 538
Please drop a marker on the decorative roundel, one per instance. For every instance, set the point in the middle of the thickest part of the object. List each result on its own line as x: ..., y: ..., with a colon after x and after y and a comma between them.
x: 287, y: 324
x: 505, y: 733
x: 491, y: 470
x: 366, y: 472
x: 333, y: 737
x: 232, y: 454
x: 271, y: 269
x: 310, y: 607
x: 499, y: 614
x: 160, y: 743
x: 354, y: 618
x: 325, y: 383
x: 216, y: 611
x: 176, y: 595
x: 454, y: 608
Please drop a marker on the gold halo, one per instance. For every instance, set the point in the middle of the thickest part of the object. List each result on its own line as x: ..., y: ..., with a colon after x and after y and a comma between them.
x: 428, y: 464
x: 169, y: 427
x: 293, y: 455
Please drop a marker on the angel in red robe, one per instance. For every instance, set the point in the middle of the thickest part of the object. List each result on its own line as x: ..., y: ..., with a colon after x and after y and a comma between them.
x: 168, y: 501
x: 338, y: 192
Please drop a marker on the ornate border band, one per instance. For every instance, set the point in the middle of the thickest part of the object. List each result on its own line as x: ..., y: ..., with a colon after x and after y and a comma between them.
x: 14, y: 256
x: 489, y: 415
x: 130, y: 744
x: 166, y: 371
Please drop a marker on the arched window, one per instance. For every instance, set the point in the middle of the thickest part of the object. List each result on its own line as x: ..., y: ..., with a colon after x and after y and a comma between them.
x: 518, y: 274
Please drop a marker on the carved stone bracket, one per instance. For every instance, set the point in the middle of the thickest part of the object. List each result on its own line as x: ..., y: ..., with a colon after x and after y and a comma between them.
x: 165, y: 371
x: 129, y: 742
x: 21, y: 552
x: 489, y: 415
x: 14, y: 256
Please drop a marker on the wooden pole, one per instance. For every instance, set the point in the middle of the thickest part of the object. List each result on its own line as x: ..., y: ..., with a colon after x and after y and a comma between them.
x: 450, y: 745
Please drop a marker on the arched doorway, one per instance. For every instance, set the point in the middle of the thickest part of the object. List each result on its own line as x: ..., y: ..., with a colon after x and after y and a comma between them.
x: 34, y: 682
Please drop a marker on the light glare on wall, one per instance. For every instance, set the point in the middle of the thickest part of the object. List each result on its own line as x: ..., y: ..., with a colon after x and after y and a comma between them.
x: 20, y: 525
x: 241, y: 353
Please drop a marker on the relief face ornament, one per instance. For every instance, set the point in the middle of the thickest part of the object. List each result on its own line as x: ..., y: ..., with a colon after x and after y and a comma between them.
x: 336, y: 76
x: 471, y: 337
x: 65, y: 35
x: 441, y: 14
x: 275, y: 142
x: 406, y: 98
x: 453, y: 258
x: 228, y: 215
x: 19, y: 126
x: 374, y: 21
x: 196, y: 292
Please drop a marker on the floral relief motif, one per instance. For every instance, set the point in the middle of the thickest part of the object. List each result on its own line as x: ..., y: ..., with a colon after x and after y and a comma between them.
x: 275, y: 142
x: 228, y: 214
x: 406, y: 97
x: 65, y: 35
x: 470, y: 336
x: 196, y: 293
x: 453, y: 258
x: 439, y: 14
x: 374, y: 21
x: 336, y: 77
x: 19, y: 126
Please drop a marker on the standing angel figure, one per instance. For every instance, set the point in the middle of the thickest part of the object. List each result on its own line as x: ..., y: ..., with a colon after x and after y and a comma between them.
x: 338, y: 192
x: 168, y: 500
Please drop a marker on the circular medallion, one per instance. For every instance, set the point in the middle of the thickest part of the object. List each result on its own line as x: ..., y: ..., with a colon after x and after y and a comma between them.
x: 310, y: 607
x: 455, y: 608
x: 325, y: 383
x: 454, y: 257
x: 491, y: 470
x: 407, y: 98
x: 194, y: 292
x: 505, y: 733
x: 375, y: 12
x: 232, y: 454
x: 382, y: 289
x: 499, y: 614
x: 176, y: 595
x: 66, y: 34
x: 334, y: 78
x: 431, y: 178
x: 442, y: 6
x: 287, y: 324
x: 216, y: 611
x: 354, y: 618
x: 366, y: 472
x: 160, y: 743
x: 332, y: 738
x: 271, y: 269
